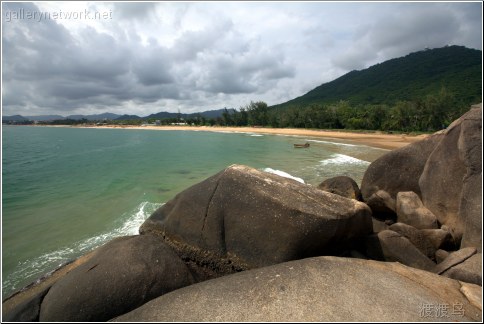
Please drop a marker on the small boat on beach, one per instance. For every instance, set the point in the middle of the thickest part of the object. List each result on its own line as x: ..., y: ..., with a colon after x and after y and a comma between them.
x: 301, y: 145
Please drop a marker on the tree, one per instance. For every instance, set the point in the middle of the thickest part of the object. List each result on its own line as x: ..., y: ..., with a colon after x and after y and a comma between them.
x: 257, y: 113
x: 227, y: 118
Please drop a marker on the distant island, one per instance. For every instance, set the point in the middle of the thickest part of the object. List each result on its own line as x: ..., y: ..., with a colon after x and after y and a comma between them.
x: 420, y: 92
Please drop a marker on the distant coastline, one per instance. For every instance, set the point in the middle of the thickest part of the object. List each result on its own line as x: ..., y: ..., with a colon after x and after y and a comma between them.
x: 376, y: 139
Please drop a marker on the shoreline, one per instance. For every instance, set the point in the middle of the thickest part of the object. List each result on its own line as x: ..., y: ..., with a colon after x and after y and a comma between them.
x: 377, y: 139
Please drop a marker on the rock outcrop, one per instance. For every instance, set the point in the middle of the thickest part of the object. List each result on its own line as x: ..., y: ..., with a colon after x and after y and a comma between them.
x: 444, y: 170
x: 238, y: 219
x: 450, y: 183
x: 455, y: 258
x: 470, y: 270
x: 323, y: 289
x: 388, y: 245
x: 343, y: 186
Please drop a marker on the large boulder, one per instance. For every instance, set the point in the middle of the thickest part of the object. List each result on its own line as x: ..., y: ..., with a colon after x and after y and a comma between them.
x: 242, y: 218
x: 450, y: 183
x: 411, y: 211
x: 343, y: 186
x: 398, y: 170
x: 388, y: 245
x: 444, y: 170
x: 120, y: 276
x: 323, y: 289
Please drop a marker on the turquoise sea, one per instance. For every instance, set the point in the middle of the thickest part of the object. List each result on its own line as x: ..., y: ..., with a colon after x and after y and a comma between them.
x: 66, y: 191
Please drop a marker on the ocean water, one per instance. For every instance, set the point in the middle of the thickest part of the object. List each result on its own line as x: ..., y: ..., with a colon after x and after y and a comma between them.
x: 66, y: 191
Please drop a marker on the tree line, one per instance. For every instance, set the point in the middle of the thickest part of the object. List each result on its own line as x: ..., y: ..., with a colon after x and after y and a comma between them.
x: 429, y: 114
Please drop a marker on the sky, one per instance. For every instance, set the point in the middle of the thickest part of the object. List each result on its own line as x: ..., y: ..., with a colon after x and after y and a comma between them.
x: 141, y: 58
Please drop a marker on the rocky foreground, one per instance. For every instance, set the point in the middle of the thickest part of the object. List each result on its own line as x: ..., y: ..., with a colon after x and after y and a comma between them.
x: 245, y: 245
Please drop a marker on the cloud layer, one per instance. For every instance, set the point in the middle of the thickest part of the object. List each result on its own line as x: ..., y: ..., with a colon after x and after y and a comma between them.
x: 144, y: 58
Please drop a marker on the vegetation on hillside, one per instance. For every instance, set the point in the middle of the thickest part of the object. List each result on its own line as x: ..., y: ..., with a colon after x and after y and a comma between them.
x: 456, y: 68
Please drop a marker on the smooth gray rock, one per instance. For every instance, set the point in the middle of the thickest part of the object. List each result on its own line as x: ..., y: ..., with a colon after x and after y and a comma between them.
x: 121, y: 275
x: 343, y: 186
x: 411, y: 211
x: 323, y: 289
x: 391, y: 246
x: 242, y: 218
x: 398, y: 170
x: 455, y: 258
x: 468, y: 271
x: 450, y: 183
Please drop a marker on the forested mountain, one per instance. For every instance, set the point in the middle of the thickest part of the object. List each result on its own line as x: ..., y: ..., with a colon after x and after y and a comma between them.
x: 457, y: 69
x: 207, y: 114
x: 109, y: 116
x: 13, y: 118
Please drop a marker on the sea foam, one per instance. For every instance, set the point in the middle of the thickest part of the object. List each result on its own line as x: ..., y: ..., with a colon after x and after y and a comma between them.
x: 343, y: 159
x: 34, y: 268
x: 283, y: 174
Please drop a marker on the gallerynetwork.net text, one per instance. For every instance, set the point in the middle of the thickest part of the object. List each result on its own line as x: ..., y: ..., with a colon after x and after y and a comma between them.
x: 57, y: 15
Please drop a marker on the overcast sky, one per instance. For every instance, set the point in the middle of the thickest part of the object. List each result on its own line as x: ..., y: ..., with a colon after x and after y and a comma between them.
x: 143, y: 58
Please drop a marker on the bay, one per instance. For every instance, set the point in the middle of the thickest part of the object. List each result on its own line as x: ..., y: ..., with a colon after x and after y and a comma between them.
x: 67, y: 190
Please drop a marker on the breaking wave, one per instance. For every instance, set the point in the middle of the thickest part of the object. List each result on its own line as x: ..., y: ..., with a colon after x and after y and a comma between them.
x: 343, y: 159
x: 29, y: 270
x: 283, y: 174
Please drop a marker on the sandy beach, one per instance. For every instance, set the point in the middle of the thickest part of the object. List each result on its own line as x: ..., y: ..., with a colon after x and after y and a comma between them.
x: 377, y: 139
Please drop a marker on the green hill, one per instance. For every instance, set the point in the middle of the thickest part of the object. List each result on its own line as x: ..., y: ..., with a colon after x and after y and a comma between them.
x: 456, y: 68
